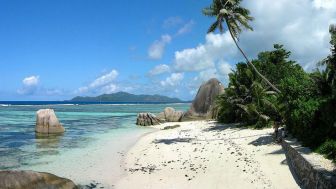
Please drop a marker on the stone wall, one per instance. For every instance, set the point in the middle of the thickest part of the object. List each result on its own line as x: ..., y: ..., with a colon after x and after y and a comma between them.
x: 312, y: 170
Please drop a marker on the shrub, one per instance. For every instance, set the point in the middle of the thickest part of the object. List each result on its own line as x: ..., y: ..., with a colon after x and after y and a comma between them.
x: 300, y: 118
x: 328, y: 149
x: 324, y: 124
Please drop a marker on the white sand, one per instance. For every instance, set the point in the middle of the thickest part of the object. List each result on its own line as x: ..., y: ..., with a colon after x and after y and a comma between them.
x: 204, y: 155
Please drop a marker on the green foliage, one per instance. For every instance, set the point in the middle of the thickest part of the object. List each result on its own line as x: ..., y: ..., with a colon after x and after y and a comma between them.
x: 300, y: 118
x: 229, y: 11
x: 306, y: 104
x: 328, y: 148
x: 247, y: 99
x: 275, y: 64
x: 329, y: 74
x: 324, y: 125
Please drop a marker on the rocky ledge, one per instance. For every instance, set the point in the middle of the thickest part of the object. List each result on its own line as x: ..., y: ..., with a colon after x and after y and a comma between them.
x: 11, y: 179
x: 312, y: 170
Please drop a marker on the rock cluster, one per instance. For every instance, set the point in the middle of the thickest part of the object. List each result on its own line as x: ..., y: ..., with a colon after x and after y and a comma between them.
x: 202, y: 107
x: 147, y: 119
x: 203, y: 104
x: 171, y: 115
x: 33, y: 180
x: 47, y: 122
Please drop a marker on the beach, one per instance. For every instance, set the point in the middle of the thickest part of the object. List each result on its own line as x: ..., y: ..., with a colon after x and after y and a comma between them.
x: 103, y: 148
x: 204, y: 154
x: 89, y: 152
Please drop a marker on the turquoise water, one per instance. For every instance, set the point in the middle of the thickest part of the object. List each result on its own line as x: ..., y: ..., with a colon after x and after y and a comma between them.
x: 84, y: 124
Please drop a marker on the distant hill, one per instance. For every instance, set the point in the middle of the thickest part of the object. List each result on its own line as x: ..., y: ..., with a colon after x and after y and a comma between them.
x: 126, y: 97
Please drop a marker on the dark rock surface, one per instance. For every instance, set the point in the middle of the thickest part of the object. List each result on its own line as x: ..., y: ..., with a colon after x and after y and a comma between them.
x: 147, y: 119
x: 310, y: 173
x: 11, y: 179
x: 203, y: 104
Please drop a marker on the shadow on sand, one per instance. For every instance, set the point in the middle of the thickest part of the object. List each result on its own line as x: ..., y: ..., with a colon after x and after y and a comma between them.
x: 173, y: 140
x: 263, y: 140
x: 221, y: 127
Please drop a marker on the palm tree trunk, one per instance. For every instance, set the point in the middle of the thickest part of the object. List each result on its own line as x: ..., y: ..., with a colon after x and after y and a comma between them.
x: 250, y: 63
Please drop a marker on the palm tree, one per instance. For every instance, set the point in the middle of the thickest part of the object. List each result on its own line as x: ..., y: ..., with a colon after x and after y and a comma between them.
x: 236, y: 18
x: 328, y: 76
x: 246, y: 100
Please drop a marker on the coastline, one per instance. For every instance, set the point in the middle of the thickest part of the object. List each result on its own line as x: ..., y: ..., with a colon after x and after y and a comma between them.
x: 204, y: 154
x: 99, y: 164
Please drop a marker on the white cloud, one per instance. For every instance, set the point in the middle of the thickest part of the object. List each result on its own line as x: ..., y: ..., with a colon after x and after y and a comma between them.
x: 156, y: 50
x: 29, y: 85
x: 173, y: 80
x: 104, y: 79
x: 172, y: 22
x: 111, y: 88
x: 326, y: 4
x: 31, y: 81
x: 204, y: 56
x: 302, y: 26
x: 159, y: 69
x: 186, y: 28
x: 206, y: 75
x: 224, y: 68
x: 102, y: 84
x: 82, y: 90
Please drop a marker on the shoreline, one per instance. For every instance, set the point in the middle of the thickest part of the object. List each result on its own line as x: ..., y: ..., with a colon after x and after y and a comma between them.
x: 129, y: 148
x: 98, y: 164
x: 204, y: 154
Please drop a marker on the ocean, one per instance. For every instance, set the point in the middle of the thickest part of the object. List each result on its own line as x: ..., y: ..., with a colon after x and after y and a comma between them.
x: 88, y: 126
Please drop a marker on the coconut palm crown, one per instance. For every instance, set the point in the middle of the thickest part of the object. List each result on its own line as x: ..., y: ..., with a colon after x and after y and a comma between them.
x: 237, y: 18
x: 229, y: 11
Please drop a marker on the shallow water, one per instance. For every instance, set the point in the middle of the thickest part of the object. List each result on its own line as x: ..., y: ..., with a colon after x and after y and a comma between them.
x: 86, y: 126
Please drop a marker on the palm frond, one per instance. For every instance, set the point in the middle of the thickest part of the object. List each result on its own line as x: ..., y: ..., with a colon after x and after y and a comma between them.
x: 213, y: 26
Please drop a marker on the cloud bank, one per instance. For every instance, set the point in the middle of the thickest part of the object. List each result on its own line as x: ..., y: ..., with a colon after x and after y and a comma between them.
x: 103, y: 84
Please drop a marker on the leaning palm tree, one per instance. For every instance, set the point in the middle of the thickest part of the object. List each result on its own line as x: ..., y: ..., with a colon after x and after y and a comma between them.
x: 236, y: 18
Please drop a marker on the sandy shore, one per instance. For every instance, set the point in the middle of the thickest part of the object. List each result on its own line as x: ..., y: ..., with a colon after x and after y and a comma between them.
x: 204, y: 154
x: 98, y: 165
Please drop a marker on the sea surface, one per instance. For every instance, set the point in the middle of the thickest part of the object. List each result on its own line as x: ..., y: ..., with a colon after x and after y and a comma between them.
x: 86, y: 124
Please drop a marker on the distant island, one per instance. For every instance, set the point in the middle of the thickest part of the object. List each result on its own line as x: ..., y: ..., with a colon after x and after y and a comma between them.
x: 127, y: 97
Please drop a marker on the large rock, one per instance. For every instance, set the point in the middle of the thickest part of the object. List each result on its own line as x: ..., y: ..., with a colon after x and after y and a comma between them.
x: 147, y: 119
x: 33, y: 180
x: 47, y: 122
x: 171, y: 115
x: 203, y: 104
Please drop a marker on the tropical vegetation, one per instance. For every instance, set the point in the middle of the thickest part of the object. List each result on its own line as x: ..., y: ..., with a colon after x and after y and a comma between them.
x: 304, y: 102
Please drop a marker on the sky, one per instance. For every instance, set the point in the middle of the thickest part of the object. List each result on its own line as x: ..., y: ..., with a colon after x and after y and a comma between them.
x: 58, y: 49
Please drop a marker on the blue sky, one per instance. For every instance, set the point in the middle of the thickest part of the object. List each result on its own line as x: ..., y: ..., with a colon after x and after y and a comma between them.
x: 55, y: 50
